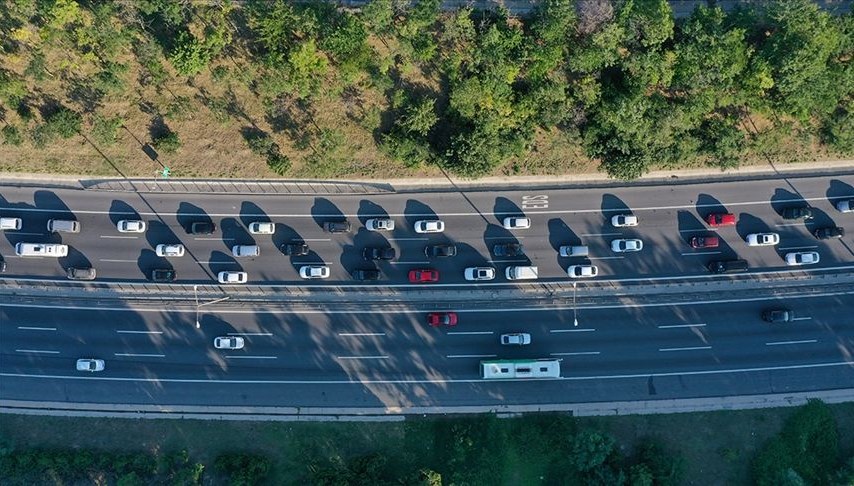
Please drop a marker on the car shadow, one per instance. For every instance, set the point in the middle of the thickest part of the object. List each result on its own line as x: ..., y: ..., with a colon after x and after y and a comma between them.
x: 190, y: 213
x: 369, y: 210
x: 148, y: 261
x: 707, y: 204
x: 504, y: 208
x: 416, y: 211
x: 324, y: 210
x: 560, y: 234
x: 120, y: 210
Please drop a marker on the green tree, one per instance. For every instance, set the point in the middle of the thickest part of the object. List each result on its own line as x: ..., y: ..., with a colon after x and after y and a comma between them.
x: 838, y: 130
x: 591, y: 449
x: 13, y: 90
x: 307, y: 68
x: 166, y: 141
x: 243, y: 469
x: 64, y: 122
x: 105, y: 130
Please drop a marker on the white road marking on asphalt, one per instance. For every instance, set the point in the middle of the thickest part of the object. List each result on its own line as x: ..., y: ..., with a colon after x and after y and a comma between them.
x: 696, y: 230
x: 407, y: 239
x: 601, y: 234
x: 643, y: 376
x: 470, y: 356
x: 213, y: 239
x: 579, y: 353
x: 237, y: 356
x: 695, y: 253
x: 135, y: 355
x: 690, y: 348
x: 572, y: 330
x: 780, y: 343
x: 28, y: 328
x: 472, y: 333
x: 116, y: 261
x: 138, y: 332
x: 362, y: 357
x: 606, y: 258
x: 120, y: 237
x: 42, y: 351
x: 802, y: 318
x: 507, y: 261
x: 682, y: 325
x: 316, y: 239
x: 798, y: 247
x: 250, y: 334
x: 359, y: 334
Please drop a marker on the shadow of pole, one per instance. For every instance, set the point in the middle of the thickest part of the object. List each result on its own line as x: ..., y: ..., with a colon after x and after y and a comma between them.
x: 463, y: 194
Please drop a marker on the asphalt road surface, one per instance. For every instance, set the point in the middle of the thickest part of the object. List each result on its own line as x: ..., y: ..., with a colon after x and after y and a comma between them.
x: 391, y: 357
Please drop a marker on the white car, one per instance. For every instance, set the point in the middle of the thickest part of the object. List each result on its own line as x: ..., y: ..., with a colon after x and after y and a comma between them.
x: 479, y: 273
x: 625, y: 246
x: 314, y: 271
x: 380, y: 224
x: 262, y: 228
x: 429, y: 226
x: 516, y: 339
x: 582, y: 271
x: 845, y: 206
x: 164, y: 250
x: 130, y: 226
x: 802, y: 258
x: 229, y: 342
x: 13, y: 224
x: 517, y: 222
x: 624, y: 220
x: 232, y: 277
x: 90, y: 364
x: 763, y: 239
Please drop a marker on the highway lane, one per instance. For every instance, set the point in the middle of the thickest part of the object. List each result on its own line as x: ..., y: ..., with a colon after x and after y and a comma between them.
x: 669, y: 216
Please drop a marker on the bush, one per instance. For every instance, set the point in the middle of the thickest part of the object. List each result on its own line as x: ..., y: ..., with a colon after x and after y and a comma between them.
x: 167, y: 142
x: 243, y: 469
x: 181, y: 108
x: 11, y: 135
x: 105, y: 130
x: 64, y: 122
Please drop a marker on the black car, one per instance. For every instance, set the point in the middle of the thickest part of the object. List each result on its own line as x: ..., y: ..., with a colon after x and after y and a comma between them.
x: 379, y: 253
x: 728, y: 266
x: 337, y: 226
x: 508, y: 250
x: 438, y: 251
x: 295, y: 248
x: 163, y: 275
x: 202, y: 228
x: 797, y: 212
x: 829, y: 232
x: 778, y: 315
x: 366, y: 274
x: 80, y: 273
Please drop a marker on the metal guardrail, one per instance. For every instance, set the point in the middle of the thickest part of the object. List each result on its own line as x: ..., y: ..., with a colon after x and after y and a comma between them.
x: 235, y: 186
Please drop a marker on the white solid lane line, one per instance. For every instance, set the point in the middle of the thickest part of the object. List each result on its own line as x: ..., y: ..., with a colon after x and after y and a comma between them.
x: 601, y: 234
x: 117, y: 261
x: 802, y: 318
x: 120, y: 237
x: 214, y: 239
x: 682, y: 325
x: 470, y: 356
x: 572, y: 330
x: 28, y: 328
x: 362, y: 357
x: 138, y: 332
x: 471, y: 333
x: 695, y: 253
x: 606, y: 258
x: 140, y: 355
x: 690, y: 348
x: 697, y: 229
x: 360, y: 334
x: 42, y: 351
x: 250, y: 334
x: 781, y: 343
x: 578, y: 353
x: 798, y: 247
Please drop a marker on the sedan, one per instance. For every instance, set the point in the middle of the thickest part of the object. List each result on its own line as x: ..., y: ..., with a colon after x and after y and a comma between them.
x: 517, y: 222
x: 763, y: 239
x: 802, y: 258
x: 379, y: 253
x: 262, y: 228
x: 295, y: 248
x: 508, y: 250
x: 778, y: 315
x: 163, y: 250
x: 365, y: 274
x: 423, y: 275
x: 845, y: 206
x: 202, y: 228
x: 379, y: 224
x: 80, y: 273
x: 229, y: 342
x: 314, y: 271
x: 440, y: 251
x: 829, y: 232
x: 797, y: 212
x: 479, y: 273
x: 705, y: 242
x: 429, y: 226
x: 516, y: 339
x: 582, y: 271
x: 130, y: 226
x: 437, y: 319
x: 721, y: 219
x: 163, y: 275
x: 232, y: 277
x: 626, y: 246
x: 90, y: 364
x: 624, y: 220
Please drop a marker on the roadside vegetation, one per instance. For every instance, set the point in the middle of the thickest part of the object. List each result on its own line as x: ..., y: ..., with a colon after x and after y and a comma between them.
x: 308, y: 89
x: 809, y: 445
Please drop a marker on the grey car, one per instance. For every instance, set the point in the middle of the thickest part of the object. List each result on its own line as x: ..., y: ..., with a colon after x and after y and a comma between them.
x: 80, y: 273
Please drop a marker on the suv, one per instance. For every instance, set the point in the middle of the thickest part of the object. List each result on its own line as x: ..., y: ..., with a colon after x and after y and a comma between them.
x: 798, y: 212
x: 337, y: 226
x: 80, y: 273
x: 201, y: 228
x: 294, y: 248
x: 508, y: 250
x: 63, y: 226
x: 366, y: 274
x: 378, y: 253
x: 728, y: 266
x: 778, y: 315
x: 436, y: 251
x: 163, y: 275
x: 829, y: 232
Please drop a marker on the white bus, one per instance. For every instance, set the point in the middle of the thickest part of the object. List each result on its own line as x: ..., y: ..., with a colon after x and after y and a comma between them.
x: 520, y: 369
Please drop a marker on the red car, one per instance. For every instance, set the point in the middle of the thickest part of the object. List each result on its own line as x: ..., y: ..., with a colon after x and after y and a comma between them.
x: 705, y: 242
x: 437, y: 319
x: 423, y: 275
x: 720, y: 219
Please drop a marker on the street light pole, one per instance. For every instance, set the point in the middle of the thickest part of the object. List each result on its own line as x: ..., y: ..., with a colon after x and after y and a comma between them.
x: 574, y: 309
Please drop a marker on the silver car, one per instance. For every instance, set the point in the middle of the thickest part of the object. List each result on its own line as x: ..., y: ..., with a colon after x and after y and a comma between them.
x: 479, y: 273
x: 582, y: 271
x: 90, y: 364
x: 802, y: 258
x: 130, y: 226
x: 164, y: 250
x: 232, y: 277
x: 763, y: 239
x: 379, y: 224
x: 262, y: 228
x: 314, y: 271
x: 429, y: 226
x: 229, y: 342
x: 516, y: 339
x: 626, y: 245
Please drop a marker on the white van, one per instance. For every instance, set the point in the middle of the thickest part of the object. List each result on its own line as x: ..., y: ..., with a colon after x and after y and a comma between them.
x: 13, y: 224
x: 245, y: 250
x: 521, y: 273
x: 63, y: 226
x: 41, y: 250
